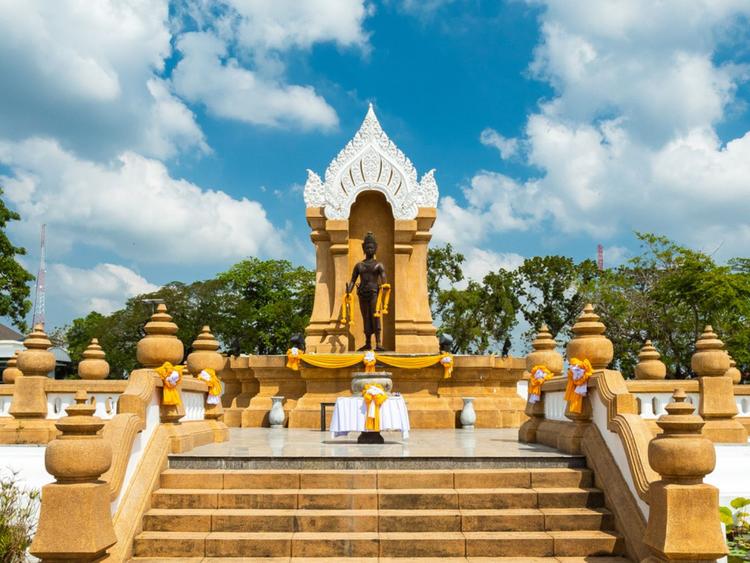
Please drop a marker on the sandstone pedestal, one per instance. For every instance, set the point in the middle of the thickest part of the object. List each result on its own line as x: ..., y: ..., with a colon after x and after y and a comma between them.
x: 240, y: 385
x: 274, y: 379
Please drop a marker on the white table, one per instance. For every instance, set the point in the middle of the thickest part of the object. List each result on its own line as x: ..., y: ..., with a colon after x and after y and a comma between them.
x: 349, y: 416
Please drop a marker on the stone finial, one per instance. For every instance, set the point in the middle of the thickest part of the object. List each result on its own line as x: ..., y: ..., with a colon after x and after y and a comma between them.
x: 11, y: 372
x: 649, y: 365
x: 205, y: 353
x: 680, y: 503
x: 77, y: 459
x: 160, y: 343
x: 732, y: 373
x: 710, y: 359
x: 36, y: 360
x: 545, y: 352
x: 589, y: 341
x: 94, y: 365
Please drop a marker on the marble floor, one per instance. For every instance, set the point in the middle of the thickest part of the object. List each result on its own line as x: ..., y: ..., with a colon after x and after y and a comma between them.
x: 302, y: 443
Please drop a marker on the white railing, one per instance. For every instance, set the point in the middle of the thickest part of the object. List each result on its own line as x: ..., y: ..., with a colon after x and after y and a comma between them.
x: 554, y: 406
x: 5, y: 401
x: 743, y: 405
x: 106, y: 404
x: 195, y: 405
x: 651, y: 405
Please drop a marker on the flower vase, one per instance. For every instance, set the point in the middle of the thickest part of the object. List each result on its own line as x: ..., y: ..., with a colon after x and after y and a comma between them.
x: 276, y: 415
x: 468, y: 416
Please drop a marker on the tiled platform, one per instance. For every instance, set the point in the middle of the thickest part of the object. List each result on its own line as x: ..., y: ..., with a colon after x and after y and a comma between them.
x: 258, y: 448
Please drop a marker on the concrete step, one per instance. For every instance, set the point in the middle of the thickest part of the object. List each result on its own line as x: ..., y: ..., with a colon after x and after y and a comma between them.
x: 291, y: 520
x: 372, y: 479
x: 384, y: 544
x: 381, y: 560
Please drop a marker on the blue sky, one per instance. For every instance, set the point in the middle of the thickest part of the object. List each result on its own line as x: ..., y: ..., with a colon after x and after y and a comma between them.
x: 167, y: 140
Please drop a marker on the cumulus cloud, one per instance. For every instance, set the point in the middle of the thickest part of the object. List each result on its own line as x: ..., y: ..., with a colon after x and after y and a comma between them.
x: 508, y: 148
x: 629, y: 138
x: 234, y: 64
x: 205, y: 75
x: 132, y: 207
x: 481, y: 262
x: 87, y: 74
x: 103, y: 288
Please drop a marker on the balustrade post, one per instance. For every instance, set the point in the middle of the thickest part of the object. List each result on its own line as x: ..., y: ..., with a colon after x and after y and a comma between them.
x: 683, y: 522
x: 75, y: 523
x: 589, y: 343
x: 94, y: 364
x: 545, y: 354
x: 717, y: 405
x: 205, y: 356
x: 11, y: 371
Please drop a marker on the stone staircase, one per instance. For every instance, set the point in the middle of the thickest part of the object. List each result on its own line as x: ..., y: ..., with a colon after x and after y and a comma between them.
x: 545, y: 514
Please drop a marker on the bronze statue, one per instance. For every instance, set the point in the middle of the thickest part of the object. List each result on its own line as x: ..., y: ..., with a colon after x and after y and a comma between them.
x: 371, y: 274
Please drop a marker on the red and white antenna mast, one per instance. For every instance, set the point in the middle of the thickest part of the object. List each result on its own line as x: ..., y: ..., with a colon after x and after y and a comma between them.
x: 600, y: 257
x: 39, y: 294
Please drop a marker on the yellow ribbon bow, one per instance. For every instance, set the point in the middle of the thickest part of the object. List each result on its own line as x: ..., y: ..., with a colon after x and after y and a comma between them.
x: 374, y: 396
x: 447, y: 361
x: 369, y: 360
x: 579, y: 372
x: 539, y: 374
x: 171, y: 376
x: 293, y: 358
x: 214, y: 385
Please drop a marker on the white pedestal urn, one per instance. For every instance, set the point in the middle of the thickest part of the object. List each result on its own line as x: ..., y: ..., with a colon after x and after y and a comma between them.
x: 276, y: 415
x: 468, y: 415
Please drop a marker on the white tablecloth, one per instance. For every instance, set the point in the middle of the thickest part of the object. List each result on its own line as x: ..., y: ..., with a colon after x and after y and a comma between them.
x: 349, y: 416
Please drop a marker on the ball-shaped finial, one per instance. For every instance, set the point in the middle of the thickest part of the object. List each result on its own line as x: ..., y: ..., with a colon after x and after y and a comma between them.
x: 545, y: 352
x: 11, y: 372
x: 589, y: 341
x: 205, y: 353
x: 160, y: 343
x: 94, y: 364
x: 36, y: 360
x: 710, y: 359
x: 649, y: 364
x: 732, y: 373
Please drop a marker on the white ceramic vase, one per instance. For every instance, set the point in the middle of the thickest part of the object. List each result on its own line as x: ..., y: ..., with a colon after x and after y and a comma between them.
x: 468, y: 416
x: 276, y: 415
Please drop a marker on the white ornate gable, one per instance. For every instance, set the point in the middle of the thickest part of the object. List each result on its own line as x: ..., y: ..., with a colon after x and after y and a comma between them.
x: 370, y: 161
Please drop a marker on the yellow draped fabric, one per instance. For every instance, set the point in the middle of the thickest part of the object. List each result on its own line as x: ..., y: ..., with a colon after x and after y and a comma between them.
x: 384, y: 296
x: 374, y: 396
x: 539, y: 374
x: 338, y: 361
x: 346, y: 309
x: 171, y: 376
x: 214, y: 385
x: 577, y: 384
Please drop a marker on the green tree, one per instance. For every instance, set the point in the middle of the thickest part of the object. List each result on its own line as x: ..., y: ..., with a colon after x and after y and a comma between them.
x: 461, y: 317
x: 443, y: 265
x: 549, y: 290
x: 14, y: 279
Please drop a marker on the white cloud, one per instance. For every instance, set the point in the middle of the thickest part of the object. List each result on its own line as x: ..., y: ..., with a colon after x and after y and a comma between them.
x: 86, y: 73
x: 508, y: 147
x: 104, y: 288
x: 131, y: 207
x: 205, y: 75
x: 628, y: 141
x: 480, y: 262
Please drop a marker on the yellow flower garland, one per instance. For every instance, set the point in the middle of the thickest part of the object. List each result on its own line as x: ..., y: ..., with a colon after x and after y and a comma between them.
x: 577, y: 385
x: 374, y: 396
x: 214, y: 385
x: 339, y: 361
x: 384, y: 296
x: 171, y: 376
x: 539, y: 374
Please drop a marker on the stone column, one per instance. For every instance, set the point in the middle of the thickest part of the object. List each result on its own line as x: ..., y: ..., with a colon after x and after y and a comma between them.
x: 544, y: 353
x: 649, y: 364
x: 717, y: 405
x: 29, y: 404
x: 683, y: 522
x: 11, y: 371
x: 315, y: 333
x: 404, y: 297
x: 337, y: 335
x: 75, y: 523
x: 158, y: 346
x: 588, y: 343
x: 426, y: 330
x: 206, y: 355
x: 94, y: 364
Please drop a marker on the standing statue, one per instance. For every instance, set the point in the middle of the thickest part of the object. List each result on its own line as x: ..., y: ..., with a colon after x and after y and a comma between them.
x: 370, y: 291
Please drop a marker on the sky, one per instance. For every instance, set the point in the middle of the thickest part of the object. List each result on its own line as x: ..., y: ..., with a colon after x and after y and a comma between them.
x: 163, y: 141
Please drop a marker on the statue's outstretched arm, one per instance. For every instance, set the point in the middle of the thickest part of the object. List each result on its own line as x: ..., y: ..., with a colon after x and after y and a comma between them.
x: 355, y: 275
x: 381, y: 275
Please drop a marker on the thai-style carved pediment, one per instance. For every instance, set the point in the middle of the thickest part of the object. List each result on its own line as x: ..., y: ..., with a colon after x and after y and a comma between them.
x: 371, y: 161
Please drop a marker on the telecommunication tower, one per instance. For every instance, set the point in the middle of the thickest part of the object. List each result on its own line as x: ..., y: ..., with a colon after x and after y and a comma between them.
x: 600, y: 257
x: 39, y: 293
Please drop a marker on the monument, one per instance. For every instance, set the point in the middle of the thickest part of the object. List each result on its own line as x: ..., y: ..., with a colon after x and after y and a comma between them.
x: 371, y: 292
x: 371, y: 186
